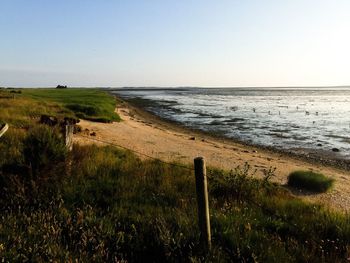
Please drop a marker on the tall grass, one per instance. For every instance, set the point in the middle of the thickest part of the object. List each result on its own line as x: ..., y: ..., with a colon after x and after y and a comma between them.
x: 101, y: 204
x: 115, y: 206
x: 22, y: 111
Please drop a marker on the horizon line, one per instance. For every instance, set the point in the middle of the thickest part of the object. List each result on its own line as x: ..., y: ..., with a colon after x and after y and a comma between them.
x: 176, y: 87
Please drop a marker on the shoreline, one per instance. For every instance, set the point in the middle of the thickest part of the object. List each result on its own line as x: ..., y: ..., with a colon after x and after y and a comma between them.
x: 302, y: 154
x: 150, y: 135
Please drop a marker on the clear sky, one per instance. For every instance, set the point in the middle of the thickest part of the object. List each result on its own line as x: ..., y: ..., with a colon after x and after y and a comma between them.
x: 174, y: 43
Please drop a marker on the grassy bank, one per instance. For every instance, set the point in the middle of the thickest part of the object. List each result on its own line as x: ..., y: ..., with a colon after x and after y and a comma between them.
x: 90, y: 104
x: 102, y: 204
x: 24, y: 109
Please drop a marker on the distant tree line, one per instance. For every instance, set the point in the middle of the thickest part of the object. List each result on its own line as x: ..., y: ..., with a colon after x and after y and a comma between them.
x: 61, y: 87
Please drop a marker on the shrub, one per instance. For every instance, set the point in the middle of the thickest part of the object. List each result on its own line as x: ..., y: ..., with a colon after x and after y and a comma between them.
x: 310, y: 181
x: 236, y: 184
x: 89, y: 112
x: 85, y: 109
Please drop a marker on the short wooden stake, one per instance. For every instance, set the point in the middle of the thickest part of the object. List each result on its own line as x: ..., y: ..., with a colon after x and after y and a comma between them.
x: 68, y: 136
x: 4, y: 129
x: 202, y: 200
x: 68, y: 139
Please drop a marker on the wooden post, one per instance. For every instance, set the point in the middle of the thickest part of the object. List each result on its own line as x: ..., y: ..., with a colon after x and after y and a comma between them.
x: 68, y: 139
x: 4, y: 129
x: 68, y: 136
x: 202, y: 200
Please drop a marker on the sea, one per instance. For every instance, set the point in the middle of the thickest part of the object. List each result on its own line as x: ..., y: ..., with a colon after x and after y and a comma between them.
x: 311, y: 120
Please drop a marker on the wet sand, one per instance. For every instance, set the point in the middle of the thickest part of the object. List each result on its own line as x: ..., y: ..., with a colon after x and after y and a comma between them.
x: 149, y: 135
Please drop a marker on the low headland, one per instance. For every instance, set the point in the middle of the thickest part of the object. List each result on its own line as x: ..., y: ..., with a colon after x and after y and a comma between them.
x: 101, y: 202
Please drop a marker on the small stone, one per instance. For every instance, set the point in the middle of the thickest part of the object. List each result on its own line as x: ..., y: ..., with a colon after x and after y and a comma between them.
x: 193, y: 138
x: 93, y: 134
x: 48, y: 120
x: 77, y: 129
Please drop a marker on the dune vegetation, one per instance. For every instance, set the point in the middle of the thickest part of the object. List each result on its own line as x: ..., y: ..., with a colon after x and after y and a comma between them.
x: 103, y: 204
x: 310, y: 181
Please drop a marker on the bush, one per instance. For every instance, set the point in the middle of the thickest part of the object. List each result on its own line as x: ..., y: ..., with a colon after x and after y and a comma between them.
x: 85, y: 109
x: 310, y: 181
x: 89, y: 112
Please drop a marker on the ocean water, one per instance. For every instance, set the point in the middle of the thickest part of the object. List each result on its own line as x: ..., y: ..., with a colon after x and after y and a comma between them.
x: 312, y: 119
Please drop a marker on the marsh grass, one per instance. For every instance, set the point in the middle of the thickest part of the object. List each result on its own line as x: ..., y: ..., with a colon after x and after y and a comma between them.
x: 21, y: 112
x: 310, y: 181
x: 90, y: 104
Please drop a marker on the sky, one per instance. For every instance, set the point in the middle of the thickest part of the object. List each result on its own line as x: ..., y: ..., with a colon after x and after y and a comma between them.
x: 207, y: 43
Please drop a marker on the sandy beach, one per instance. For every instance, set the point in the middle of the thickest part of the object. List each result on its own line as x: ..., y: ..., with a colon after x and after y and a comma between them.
x: 147, y: 134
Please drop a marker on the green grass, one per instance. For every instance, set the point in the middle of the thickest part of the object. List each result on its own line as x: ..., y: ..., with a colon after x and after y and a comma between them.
x: 310, y: 181
x: 113, y: 205
x: 90, y: 104
x: 24, y: 110
x: 102, y: 204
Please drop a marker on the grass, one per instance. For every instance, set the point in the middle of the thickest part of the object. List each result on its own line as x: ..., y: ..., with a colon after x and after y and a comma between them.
x: 24, y: 110
x: 90, y: 104
x: 102, y: 204
x: 310, y: 181
x: 114, y: 206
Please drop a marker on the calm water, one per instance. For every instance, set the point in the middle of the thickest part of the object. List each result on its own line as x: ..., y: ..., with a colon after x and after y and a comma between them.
x: 299, y: 118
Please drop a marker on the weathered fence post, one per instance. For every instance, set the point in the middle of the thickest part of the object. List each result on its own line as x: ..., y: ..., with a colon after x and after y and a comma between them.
x: 4, y: 129
x: 68, y: 135
x: 68, y: 139
x: 202, y: 200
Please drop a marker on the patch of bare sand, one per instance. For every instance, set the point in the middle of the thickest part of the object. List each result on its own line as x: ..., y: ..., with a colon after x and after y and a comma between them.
x: 147, y: 134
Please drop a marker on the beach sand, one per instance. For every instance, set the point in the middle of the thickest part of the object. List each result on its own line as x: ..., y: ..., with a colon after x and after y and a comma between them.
x: 147, y: 134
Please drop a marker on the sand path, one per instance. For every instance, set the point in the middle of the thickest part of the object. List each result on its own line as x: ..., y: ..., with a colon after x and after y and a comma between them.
x: 147, y: 134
